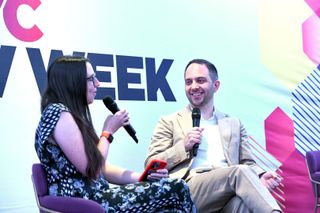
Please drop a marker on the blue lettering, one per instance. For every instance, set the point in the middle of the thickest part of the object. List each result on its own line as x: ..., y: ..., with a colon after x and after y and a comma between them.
x: 124, y: 78
x: 39, y: 70
x: 157, y: 80
x: 6, y: 57
x: 103, y: 76
x: 76, y: 53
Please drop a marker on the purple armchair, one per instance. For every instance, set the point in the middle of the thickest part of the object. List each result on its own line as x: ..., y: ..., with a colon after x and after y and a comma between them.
x: 313, y: 165
x: 49, y: 203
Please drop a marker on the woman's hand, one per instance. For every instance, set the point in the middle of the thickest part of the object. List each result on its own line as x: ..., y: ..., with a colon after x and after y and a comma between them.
x: 158, y: 174
x: 114, y: 122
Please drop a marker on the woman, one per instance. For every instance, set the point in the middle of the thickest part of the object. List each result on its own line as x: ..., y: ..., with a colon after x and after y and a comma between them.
x: 74, y: 157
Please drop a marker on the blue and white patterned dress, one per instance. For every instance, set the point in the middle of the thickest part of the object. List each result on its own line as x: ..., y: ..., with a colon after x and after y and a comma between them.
x: 166, y: 195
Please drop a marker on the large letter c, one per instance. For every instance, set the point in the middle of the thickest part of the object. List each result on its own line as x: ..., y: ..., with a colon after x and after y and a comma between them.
x: 11, y: 20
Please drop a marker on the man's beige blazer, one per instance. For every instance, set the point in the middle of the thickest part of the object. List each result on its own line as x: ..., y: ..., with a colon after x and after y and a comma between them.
x: 168, y: 142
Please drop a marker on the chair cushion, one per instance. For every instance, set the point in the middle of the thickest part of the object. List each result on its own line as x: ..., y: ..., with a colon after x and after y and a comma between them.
x: 70, y: 204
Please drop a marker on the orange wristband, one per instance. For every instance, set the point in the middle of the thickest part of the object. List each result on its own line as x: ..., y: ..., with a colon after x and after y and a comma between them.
x: 107, y: 135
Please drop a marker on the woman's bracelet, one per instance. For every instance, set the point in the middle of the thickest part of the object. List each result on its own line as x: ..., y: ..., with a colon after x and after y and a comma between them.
x: 107, y: 135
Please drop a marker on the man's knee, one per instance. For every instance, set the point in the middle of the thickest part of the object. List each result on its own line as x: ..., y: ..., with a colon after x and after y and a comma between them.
x: 242, y: 169
x: 235, y: 205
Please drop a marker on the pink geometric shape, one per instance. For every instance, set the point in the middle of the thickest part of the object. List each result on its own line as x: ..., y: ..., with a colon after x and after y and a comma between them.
x: 279, y: 128
x: 315, y: 6
x: 297, y: 190
x: 311, y: 38
x: 10, y: 17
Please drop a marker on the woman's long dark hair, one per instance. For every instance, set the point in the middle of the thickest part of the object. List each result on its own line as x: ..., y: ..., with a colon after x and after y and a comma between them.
x: 67, y: 84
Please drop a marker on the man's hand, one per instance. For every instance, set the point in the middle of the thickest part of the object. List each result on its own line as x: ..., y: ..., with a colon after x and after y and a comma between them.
x: 271, y: 180
x: 193, y: 137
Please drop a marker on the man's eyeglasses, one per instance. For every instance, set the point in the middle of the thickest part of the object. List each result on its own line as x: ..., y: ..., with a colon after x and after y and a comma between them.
x: 93, y: 79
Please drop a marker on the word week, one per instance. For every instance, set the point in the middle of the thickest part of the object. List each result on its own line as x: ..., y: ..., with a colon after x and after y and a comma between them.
x: 155, y: 77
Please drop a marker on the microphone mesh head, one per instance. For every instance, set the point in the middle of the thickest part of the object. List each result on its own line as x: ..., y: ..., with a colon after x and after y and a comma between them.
x: 196, y: 113
x: 108, y: 100
x: 110, y: 104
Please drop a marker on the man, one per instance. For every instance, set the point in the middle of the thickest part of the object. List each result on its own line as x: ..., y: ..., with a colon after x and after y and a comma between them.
x: 222, y: 176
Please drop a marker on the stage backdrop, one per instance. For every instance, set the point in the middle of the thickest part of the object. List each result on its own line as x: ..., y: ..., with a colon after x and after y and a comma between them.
x: 267, y: 53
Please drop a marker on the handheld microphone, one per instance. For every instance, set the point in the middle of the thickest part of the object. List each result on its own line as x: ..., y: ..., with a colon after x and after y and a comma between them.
x: 113, y: 107
x: 196, y: 115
